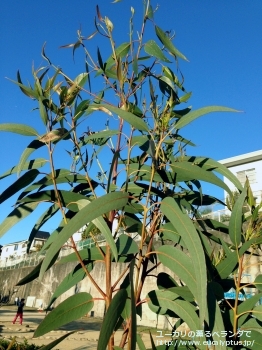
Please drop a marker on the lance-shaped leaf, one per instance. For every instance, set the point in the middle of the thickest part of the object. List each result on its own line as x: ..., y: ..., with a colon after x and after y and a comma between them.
x: 246, y: 307
x: 171, y: 301
x: 111, y: 317
x: 189, y: 171
x: 140, y: 343
x: 180, y: 263
x: 252, y: 325
x: 69, y: 310
x: 35, y: 272
x: 61, y: 176
x: 48, y: 214
x: 42, y: 111
x: 252, y: 340
x: 100, y: 206
x: 235, y: 223
x: 154, y: 50
x: 20, y: 183
x: 34, y: 145
x: 186, y: 229
x: 55, y: 342
x: 133, y: 325
x: 227, y: 265
x: 32, y: 164
x: 165, y: 40
x: 210, y: 164
x: 258, y: 282
x: 21, y: 129
x: 16, y: 215
x: 131, y: 118
x: 68, y: 199
x: 121, y: 51
x: 199, y: 113
x: 215, y: 321
x: 74, y: 277
x: 92, y: 254
x: 257, y: 312
x: 105, y: 134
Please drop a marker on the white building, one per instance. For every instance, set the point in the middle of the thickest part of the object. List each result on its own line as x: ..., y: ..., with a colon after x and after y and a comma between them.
x: 246, y: 165
x: 16, y: 251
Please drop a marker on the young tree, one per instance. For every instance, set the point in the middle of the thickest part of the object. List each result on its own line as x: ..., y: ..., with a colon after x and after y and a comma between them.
x: 135, y: 174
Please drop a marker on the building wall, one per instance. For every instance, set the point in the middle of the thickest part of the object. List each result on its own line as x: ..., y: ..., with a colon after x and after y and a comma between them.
x: 40, y: 292
x: 8, y: 250
x: 257, y: 185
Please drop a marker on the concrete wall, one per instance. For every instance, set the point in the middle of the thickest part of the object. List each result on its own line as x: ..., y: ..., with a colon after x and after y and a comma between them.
x: 44, y: 289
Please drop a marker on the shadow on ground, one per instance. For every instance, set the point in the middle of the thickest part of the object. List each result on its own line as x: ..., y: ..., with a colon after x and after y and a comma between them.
x: 88, y: 324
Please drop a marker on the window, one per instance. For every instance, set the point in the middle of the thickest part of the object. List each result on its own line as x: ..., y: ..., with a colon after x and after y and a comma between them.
x: 16, y: 247
x: 250, y: 173
x: 6, y: 250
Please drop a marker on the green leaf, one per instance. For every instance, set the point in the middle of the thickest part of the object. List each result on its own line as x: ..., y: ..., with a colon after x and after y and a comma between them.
x: 121, y: 51
x: 32, y: 164
x: 154, y: 50
x: 69, y: 310
x: 235, y: 222
x: 167, y: 231
x: 100, y: 206
x: 188, y: 171
x: 215, y: 321
x: 180, y: 263
x: 210, y: 164
x: 80, y: 109
x: 216, y: 225
x: 55, y: 342
x: 258, y: 282
x: 257, y: 312
x: 133, y: 326
x: 165, y: 40
x: 30, y: 149
x: 246, y: 307
x: 111, y: 317
x: 23, y: 181
x: 48, y: 214
x: 181, y: 171
x: 16, y: 215
x: 31, y: 276
x: 89, y: 255
x: 21, y: 129
x: 252, y: 325
x: 35, y: 272
x: 42, y: 111
x: 26, y: 90
x: 126, y: 245
x: 105, y: 134
x: 171, y: 301
x: 61, y: 176
x: 186, y: 229
x: 140, y: 343
x: 199, y: 113
x: 132, y: 119
x: 74, y: 277
x: 252, y: 340
x: 227, y: 265
x: 68, y: 198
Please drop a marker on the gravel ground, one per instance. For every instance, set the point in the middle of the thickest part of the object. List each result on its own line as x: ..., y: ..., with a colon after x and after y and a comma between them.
x: 85, y: 336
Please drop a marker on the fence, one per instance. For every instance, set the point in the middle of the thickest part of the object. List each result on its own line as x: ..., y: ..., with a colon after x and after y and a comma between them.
x: 35, y: 258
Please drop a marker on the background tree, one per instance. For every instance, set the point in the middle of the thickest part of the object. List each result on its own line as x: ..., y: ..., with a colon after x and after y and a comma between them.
x: 134, y: 171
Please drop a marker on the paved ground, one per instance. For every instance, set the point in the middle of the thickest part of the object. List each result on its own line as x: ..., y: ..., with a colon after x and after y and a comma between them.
x: 85, y: 337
